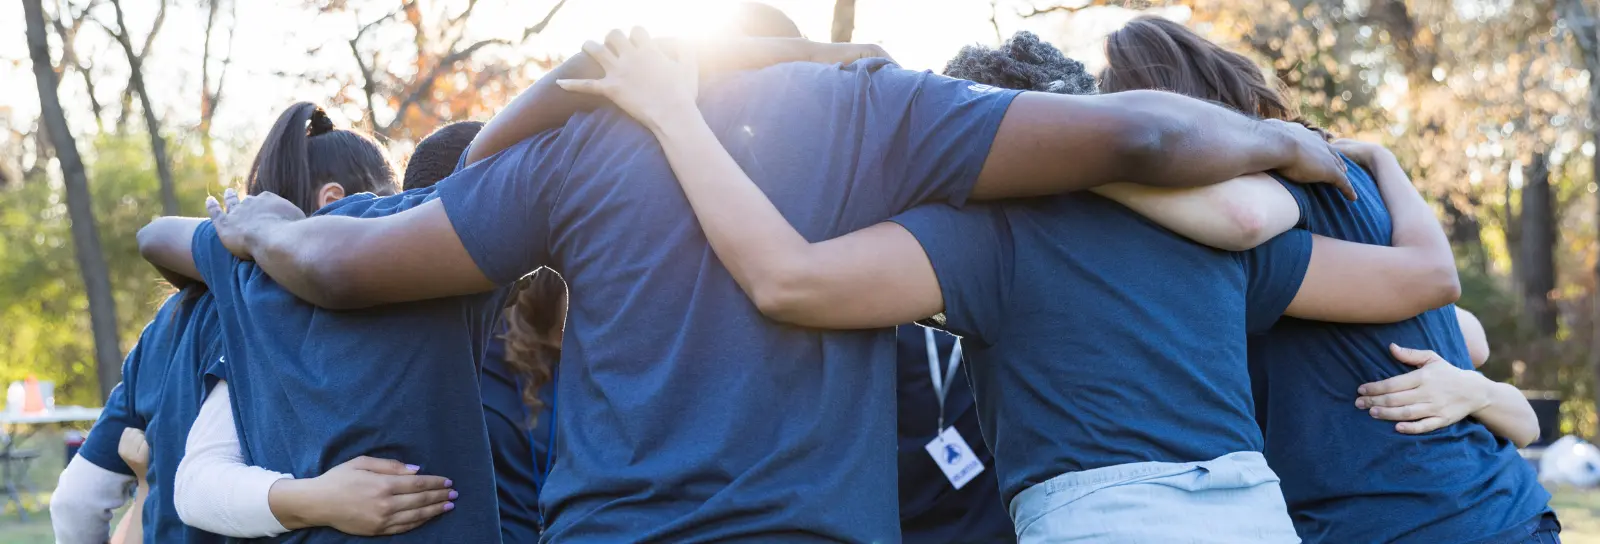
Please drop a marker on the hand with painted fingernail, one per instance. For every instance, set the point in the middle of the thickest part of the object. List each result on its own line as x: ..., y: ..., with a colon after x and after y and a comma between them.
x: 365, y: 496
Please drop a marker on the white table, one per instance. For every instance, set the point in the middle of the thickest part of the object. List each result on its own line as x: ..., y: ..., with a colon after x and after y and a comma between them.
x: 13, y: 471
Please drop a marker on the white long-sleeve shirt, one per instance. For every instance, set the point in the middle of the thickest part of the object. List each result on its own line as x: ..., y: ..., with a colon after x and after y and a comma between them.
x: 215, y: 490
x: 82, y: 506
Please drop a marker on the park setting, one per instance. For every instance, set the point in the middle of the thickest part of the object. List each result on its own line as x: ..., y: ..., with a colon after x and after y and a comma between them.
x: 222, y: 215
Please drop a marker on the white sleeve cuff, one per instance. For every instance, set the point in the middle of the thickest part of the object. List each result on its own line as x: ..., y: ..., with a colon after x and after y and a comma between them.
x: 215, y: 491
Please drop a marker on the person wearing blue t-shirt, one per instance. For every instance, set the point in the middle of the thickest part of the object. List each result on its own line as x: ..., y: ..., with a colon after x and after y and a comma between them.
x: 684, y: 414
x: 165, y: 378
x: 291, y: 371
x: 933, y: 509
x: 1151, y: 436
x: 1349, y: 476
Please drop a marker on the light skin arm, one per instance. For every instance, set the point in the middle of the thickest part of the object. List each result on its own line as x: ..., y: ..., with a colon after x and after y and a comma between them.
x: 1348, y: 282
x: 1045, y: 144
x: 1234, y: 215
x: 135, y: 451
x: 217, y: 492
x: 1477, y: 340
x: 1439, y: 394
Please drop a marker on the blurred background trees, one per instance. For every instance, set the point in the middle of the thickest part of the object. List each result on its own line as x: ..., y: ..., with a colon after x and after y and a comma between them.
x: 1494, y: 106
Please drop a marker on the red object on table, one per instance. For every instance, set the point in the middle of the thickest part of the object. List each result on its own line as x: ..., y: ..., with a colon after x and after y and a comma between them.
x: 33, y: 400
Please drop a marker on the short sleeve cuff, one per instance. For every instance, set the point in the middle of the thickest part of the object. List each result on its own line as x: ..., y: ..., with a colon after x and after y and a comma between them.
x: 456, y: 194
x: 101, y: 447
x: 1302, y: 200
x: 1296, y: 249
x: 994, y: 107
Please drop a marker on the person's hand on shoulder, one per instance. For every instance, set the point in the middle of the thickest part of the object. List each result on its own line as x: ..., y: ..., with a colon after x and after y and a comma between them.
x: 641, y: 78
x: 242, y: 222
x: 1315, y: 158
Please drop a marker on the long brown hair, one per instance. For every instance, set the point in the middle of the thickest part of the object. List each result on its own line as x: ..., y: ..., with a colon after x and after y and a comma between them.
x: 534, y: 323
x: 1154, y: 53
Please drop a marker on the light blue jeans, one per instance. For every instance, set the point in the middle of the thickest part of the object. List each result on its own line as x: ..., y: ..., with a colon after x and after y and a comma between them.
x: 1228, y: 500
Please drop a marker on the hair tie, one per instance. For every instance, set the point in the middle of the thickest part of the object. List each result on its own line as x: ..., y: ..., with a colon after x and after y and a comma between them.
x: 320, y: 123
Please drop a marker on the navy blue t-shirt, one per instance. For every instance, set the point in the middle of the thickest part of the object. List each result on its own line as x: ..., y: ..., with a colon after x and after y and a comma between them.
x: 686, y: 415
x: 931, y: 510
x: 313, y: 388
x: 521, y: 452
x: 1098, y: 338
x: 1347, y: 476
x: 164, y: 381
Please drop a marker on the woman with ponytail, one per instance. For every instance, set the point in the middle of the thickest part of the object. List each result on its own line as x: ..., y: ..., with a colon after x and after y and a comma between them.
x: 1353, y: 475
x: 337, y: 459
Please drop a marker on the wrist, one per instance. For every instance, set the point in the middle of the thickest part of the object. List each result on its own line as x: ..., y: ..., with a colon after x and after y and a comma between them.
x: 1484, y: 396
x: 293, y: 502
x: 672, y: 121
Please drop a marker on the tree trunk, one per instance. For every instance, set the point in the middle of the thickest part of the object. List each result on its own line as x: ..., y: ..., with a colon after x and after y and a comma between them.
x: 85, y: 238
x: 1538, y: 266
x: 158, y: 144
x: 844, y: 20
x: 1586, y: 32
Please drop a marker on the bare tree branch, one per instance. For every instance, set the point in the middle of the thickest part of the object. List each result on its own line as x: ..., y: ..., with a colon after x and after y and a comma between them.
x: 425, y: 85
x: 539, y: 26
x: 1035, y: 11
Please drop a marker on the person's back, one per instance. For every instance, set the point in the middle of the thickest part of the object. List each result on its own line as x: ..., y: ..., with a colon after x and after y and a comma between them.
x: 164, y: 382
x: 932, y: 509
x: 1338, y: 464
x: 386, y: 382
x: 685, y: 415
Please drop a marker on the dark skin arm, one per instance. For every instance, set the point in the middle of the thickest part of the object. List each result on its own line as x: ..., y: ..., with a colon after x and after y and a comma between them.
x: 165, y: 244
x: 1045, y: 144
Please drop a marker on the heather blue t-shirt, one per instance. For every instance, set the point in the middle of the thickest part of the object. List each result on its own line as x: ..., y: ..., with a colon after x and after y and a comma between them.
x: 164, y: 381
x: 1347, y: 476
x: 521, y: 452
x: 684, y: 414
x: 931, y: 510
x: 313, y: 388
x: 1096, y: 337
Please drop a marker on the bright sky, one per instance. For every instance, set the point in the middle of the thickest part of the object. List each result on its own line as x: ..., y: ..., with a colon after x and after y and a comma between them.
x: 278, y: 38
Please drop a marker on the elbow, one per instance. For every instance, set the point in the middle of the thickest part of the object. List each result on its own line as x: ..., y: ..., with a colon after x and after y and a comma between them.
x: 149, y: 240
x: 1527, y: 439
x: 780, y: 294
x: 1145, y: 140
x: 1445, y: 285
x: 1246, y: 226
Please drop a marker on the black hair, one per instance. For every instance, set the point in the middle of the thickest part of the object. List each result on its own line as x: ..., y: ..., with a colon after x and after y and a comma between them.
x: 304, y: 151
x: 1024, y: 62
x: 436, y: 155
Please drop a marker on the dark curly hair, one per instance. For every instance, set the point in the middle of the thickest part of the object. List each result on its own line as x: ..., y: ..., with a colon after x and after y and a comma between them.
x: 1024, y: 62
x: 436, y: 155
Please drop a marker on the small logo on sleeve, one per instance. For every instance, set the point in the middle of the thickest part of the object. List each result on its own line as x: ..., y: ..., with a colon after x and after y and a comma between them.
x: 981, y: 88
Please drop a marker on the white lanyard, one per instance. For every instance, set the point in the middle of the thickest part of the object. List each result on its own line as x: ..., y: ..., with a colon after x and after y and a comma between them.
x: 941, y: 380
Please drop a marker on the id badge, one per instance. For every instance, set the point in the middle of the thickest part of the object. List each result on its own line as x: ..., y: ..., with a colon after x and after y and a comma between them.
x: 954, y: 457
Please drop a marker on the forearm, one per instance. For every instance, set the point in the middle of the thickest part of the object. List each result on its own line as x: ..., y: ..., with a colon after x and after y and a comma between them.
x: 82, y: 505
x: 214, y: 490
x: 299, y: 254
x: 749, y: 235
x: 1234, y: 215
x: 1508, y: 414
x: 165, y: 243
x: 131, y: 529
x: 1417, y: 231
x: 1049, y: 144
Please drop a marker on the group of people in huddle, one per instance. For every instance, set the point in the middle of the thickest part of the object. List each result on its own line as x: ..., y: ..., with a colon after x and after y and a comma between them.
x: 670, y: 293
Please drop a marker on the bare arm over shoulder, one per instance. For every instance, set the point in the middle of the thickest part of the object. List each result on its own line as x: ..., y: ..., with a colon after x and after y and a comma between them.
x: 1360, y: 283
